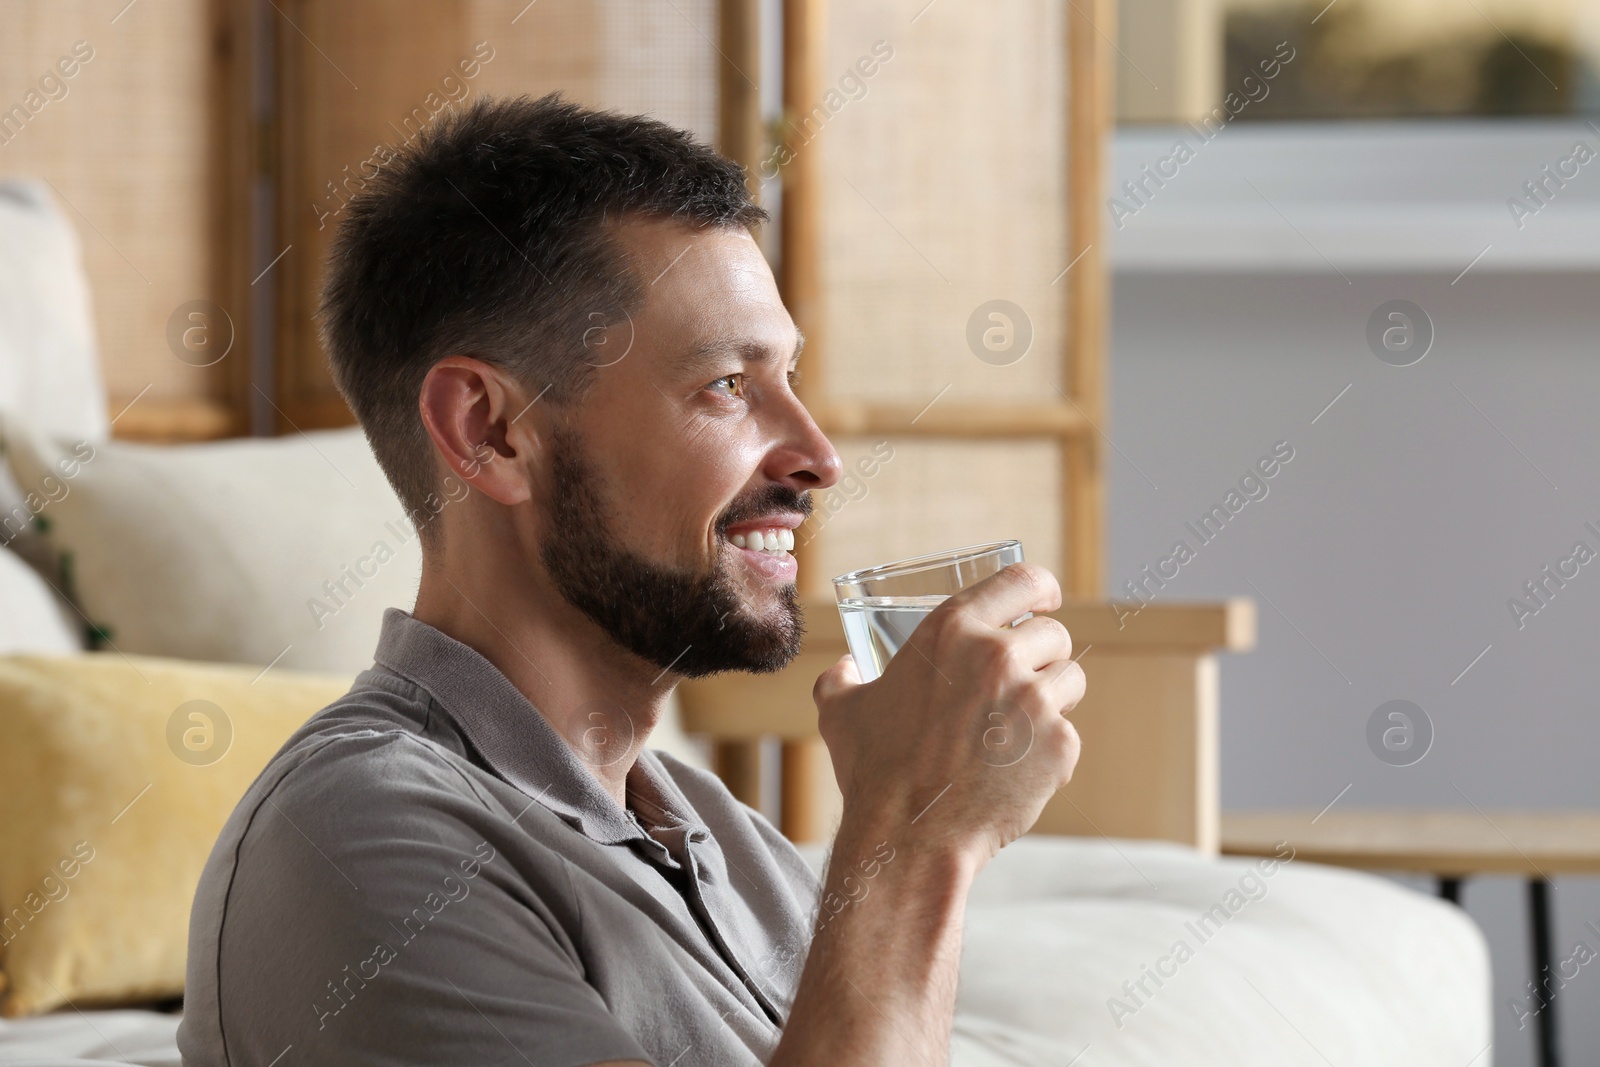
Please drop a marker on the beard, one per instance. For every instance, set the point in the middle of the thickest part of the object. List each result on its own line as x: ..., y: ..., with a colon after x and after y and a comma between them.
x: 693, y: 623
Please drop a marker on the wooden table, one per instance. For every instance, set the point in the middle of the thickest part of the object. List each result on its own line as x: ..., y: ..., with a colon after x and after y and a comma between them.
x: 1451, y: 845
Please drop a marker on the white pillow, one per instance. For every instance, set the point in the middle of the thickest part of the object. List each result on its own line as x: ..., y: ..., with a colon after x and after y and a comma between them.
x: 49, y: 358
x: 253, y: 550
x: 36, y: 618
x: 49, y: 362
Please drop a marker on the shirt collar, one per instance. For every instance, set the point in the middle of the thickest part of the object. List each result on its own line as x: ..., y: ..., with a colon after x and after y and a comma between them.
x: 519, y: 743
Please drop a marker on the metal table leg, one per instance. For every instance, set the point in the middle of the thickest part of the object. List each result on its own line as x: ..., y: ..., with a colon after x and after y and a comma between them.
x: 1547, y: 1045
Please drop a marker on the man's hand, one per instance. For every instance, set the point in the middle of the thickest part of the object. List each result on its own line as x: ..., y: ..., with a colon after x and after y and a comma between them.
x: 943, y: 761
x: 960, y: 743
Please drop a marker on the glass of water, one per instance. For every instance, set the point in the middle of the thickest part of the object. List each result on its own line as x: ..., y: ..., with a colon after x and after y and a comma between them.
x: 882, y: 605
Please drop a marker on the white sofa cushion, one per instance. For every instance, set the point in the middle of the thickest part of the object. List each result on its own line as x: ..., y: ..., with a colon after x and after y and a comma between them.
x: 35, y: 617
x: 1315, y: 960
x: 91, y: 1038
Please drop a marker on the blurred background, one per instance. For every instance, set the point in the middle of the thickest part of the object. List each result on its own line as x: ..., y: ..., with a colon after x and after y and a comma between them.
x: 1388, y: 160
x: 1359, y: 59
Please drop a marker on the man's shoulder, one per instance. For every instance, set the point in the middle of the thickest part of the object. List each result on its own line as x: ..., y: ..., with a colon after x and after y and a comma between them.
x: 377, y: 761
x: 365, y: 764
x: 368, y: 828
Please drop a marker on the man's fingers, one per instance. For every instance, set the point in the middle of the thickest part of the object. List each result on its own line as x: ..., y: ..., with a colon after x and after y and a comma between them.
x: 1005, y: 597
x: 836, y: 679
x: 1072, y: 748
x: 1065, y: 684
x: 1041, y: 640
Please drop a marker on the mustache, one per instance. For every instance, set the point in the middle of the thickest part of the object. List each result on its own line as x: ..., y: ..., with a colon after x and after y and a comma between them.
x: 762, y: 501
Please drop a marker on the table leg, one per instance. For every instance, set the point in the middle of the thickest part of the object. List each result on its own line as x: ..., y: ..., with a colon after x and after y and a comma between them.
x: 738, y: 764
x: 1547, y: 1046
x: 1450, y: 889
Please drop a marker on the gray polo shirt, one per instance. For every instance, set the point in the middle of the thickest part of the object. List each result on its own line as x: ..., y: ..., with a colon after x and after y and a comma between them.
x: 426, y: 874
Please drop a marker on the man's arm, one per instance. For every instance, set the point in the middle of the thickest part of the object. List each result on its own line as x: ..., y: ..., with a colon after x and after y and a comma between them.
x: 879, y: 985
x: 943, y: 761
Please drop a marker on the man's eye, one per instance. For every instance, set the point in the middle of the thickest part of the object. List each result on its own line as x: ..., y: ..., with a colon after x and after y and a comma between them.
x: 729, y: 385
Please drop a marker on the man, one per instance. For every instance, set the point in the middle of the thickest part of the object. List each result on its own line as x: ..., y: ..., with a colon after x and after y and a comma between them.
x: 472, y: 857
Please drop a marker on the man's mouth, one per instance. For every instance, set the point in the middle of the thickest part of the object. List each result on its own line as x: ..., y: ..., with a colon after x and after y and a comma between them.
x: 774, y: 539
x: 766, y: 543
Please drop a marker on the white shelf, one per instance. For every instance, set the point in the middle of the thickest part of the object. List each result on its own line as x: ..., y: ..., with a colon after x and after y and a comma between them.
x: 1358, y: 197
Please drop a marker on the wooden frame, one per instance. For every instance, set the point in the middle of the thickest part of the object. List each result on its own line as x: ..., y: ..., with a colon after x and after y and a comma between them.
x: 1090, y: 26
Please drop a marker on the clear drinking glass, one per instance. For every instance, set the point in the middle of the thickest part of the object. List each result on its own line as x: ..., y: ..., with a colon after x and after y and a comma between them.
x: 882, y: 605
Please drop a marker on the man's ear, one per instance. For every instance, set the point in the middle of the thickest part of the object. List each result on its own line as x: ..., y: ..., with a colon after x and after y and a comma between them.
x: 479, y: 421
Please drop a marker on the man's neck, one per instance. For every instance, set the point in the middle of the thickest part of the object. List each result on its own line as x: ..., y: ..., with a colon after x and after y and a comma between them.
x: 603, y: 700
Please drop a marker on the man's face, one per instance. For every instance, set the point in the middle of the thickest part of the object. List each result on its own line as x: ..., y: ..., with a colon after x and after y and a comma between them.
x: 689, y: 454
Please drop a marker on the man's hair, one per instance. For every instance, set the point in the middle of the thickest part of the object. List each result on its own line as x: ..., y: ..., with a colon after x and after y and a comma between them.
x: 487, y: 238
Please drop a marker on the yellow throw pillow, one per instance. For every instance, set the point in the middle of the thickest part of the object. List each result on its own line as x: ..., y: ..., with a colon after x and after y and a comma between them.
x: 116, y: 775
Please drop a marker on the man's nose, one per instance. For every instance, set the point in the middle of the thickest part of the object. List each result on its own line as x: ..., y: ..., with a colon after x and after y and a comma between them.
x: 803, y: 457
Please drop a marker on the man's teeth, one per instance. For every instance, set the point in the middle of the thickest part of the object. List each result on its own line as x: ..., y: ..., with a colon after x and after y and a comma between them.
x: 777, y: 539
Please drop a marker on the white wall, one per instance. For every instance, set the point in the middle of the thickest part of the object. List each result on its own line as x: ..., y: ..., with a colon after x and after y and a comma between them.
x: 1388, y: 546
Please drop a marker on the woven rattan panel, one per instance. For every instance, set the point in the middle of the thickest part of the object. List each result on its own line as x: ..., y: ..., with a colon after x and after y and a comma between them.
x: 639, y: 56
x: 945, y: 187
x: 125, y: 141
x: 908, y: 496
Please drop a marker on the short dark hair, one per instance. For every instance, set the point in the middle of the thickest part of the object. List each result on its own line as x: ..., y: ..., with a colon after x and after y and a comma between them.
x: 487, y: 237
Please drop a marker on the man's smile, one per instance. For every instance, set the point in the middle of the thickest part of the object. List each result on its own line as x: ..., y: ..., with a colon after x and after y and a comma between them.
x: 772, y: 539
x: 766, y: 543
